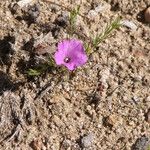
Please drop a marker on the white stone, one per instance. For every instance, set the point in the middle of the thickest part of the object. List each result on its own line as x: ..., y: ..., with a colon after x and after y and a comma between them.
x: 129, y: 24
x: 87, y: 141
x: 23, y: 3
x: 92, y: 14
x: 102, y: 8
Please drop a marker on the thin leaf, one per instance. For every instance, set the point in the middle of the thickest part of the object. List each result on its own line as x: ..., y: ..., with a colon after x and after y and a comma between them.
x: 33, y: 72
x: 73, y: 17
x: 109, y: 28
x: 41, y: 68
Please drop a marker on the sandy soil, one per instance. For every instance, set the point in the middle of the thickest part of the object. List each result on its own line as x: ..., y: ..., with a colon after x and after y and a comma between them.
x: 104, y: 105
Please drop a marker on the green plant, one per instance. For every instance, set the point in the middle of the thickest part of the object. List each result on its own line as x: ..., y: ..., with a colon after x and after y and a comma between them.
x: 90, y: 44
x: 39, y: 69
x: 109, y: 28
x: 72, y: 19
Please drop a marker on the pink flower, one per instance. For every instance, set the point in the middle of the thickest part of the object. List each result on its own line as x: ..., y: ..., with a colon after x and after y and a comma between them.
x: 71, y: 54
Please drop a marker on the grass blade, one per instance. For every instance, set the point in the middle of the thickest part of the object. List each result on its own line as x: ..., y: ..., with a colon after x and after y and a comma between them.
x: 109, y: 28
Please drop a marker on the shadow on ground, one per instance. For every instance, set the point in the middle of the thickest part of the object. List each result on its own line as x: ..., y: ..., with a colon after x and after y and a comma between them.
x: 6, y: 83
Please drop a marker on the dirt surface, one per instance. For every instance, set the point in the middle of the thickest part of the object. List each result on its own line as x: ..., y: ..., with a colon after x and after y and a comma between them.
x: 104, y: 105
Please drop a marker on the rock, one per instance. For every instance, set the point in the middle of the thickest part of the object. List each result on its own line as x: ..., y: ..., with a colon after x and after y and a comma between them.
x: 36, y: 144
x: 113, y: 120
x: 147, y: 15
x: 62, y: 21
x: 92, y: 14
x: 147, y: 116
x: 66, y: 144
x: 87, y: 140
x: 142, y: 143
x: 44, y: 44
x: 105, y: 74
x: 102, y: 8
x: 33, y: 12
x: 129, y: 24
x: 58, y: 122
x: 24, y: 3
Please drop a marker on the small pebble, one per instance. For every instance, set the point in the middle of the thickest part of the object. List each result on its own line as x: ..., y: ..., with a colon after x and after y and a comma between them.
x: 36, y: 144
x: 87, y: 140
x: 66, y: 144
x: 61, y: 21
x: 148, y: 116
x: 147, y: 15
x: 23, y: 3
x: 142, y: 143
x: 34, y: 10
x: 114, y: 120
x: 92, y: 14
x: 129, y: 24
x: 102, y: 8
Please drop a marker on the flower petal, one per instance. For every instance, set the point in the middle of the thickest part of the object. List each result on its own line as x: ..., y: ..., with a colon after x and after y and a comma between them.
x: 76, y: 45
x: 72, y: 49
x: 82, y: 59
x: 63, y: 46
x: 58, y: 58
x: 70, y: 66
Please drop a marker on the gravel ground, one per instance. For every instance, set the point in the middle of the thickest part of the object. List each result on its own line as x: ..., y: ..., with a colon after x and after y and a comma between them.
x: 105, y: 105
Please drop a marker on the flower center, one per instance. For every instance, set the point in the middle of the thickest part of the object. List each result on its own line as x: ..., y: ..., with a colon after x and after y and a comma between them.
x: 67, y: 60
